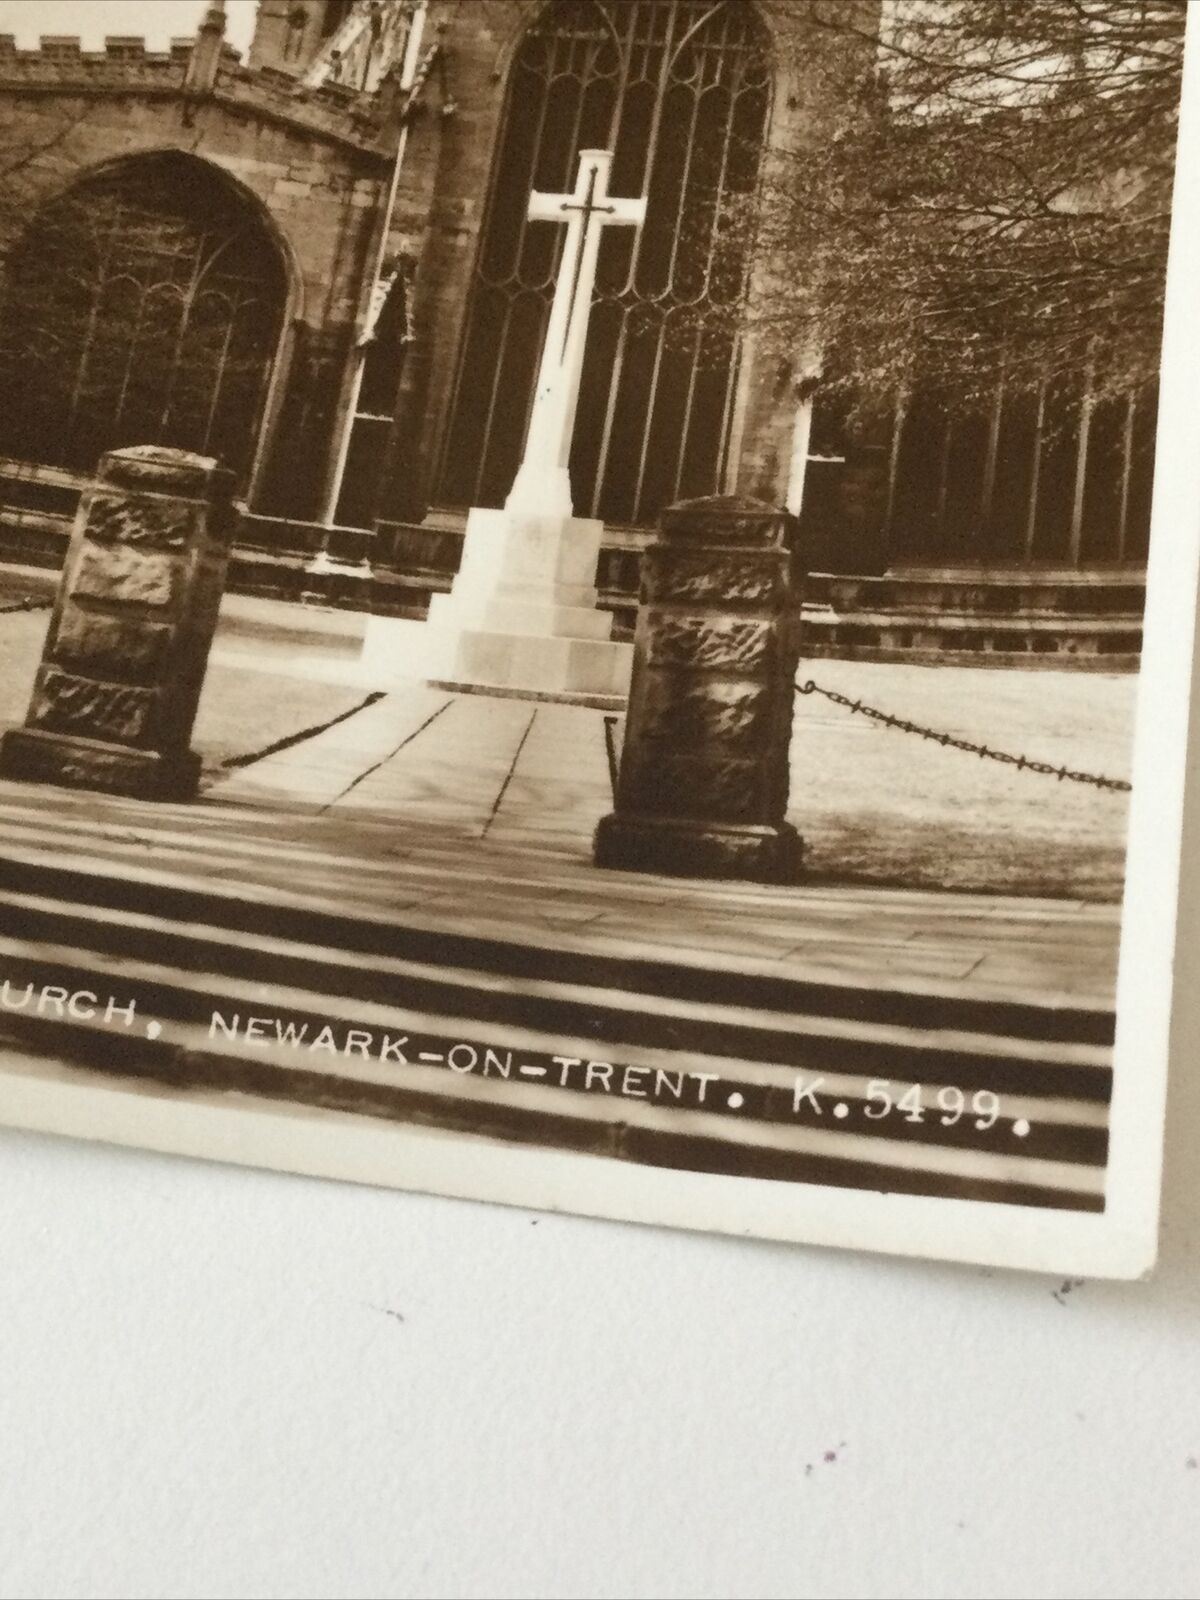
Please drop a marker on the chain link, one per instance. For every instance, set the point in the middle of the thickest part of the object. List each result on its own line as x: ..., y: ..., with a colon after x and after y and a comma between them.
x: 948, y: 741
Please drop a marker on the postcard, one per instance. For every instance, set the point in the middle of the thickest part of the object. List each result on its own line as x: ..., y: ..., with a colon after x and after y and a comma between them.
x: 597, y: 603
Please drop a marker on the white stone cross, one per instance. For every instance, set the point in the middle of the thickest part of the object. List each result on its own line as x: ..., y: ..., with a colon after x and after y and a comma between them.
x: 542, y: 486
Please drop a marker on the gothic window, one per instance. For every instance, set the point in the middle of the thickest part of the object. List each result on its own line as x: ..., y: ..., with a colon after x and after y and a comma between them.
x: 143, y: 306
x: 1055, y: 478
x: 680, y: 91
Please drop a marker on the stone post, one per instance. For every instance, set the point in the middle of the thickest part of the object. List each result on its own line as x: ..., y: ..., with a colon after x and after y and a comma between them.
x: 703, y: 785
x: 116, y: 693
x: 205, y: 59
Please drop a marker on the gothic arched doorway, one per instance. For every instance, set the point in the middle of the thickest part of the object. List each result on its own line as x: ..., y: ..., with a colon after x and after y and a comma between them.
x: 142, y: 306
x: 680, y: 91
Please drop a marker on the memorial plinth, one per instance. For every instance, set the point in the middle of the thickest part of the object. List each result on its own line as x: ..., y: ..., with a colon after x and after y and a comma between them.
x: 703, y: 785
x: 523, y: 614
x: 116, y: 693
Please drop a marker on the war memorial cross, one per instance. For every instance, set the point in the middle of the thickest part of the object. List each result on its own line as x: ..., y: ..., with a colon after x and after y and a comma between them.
x: 539, y: 485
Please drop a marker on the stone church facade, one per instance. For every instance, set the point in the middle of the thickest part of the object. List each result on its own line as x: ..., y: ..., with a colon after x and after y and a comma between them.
x: 316, y: 264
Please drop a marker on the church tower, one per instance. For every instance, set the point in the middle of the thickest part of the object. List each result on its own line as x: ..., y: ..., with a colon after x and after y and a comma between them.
x: 288, y: 34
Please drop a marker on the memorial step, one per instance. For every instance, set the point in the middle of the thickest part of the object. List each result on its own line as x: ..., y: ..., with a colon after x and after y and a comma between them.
x: 988, y: 591
x: 1080, y: 620
x: 457, y: 895
x: 691, y: 1064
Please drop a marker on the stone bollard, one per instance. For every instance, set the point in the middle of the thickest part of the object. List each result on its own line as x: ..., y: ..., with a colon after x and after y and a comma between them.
x: 116, y: 693
x: 703, y: 785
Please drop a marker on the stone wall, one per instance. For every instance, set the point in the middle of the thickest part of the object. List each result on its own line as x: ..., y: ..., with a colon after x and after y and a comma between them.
x: 439, y: 214
x: 800, y: 117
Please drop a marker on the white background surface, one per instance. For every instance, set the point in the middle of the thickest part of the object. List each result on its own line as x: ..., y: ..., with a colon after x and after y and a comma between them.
x: 220, y: 1382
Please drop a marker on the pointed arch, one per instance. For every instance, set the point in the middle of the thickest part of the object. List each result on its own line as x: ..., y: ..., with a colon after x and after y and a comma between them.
x: 144, y: 304
x: 680, y: 90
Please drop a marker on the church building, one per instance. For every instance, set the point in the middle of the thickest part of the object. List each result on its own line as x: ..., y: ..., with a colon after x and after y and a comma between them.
x: 318, y: 264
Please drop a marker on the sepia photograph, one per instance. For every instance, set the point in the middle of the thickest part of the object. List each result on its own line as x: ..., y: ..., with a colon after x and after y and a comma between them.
x: 577, y: 583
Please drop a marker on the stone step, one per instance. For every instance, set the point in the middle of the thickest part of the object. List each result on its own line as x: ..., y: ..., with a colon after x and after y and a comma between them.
x: 1082, y: 620
x: 108, y: 876
x: 1058, y: 660
x: 334, y: 942
x: 965, y: 616
x: 1108, y: 642
x: 580, y: 1106
x: 31, y: 538
x: 948, y: 621
x: 1017, y: 593
x: 557, y: 1008
x: 493, y: 1047
x: 379, y: 864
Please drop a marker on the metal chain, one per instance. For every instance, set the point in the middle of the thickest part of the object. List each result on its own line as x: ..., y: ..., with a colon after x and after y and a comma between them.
x: 1022, y: 763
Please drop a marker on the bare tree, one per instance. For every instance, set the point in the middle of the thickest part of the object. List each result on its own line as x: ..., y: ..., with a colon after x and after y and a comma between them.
x: 991, y: 205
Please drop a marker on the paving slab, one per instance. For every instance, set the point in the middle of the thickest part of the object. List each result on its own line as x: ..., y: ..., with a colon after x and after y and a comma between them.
x: 472, y: 807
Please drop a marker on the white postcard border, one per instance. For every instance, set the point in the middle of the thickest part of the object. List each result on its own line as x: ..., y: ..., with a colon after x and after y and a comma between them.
x: 1118, y: 1243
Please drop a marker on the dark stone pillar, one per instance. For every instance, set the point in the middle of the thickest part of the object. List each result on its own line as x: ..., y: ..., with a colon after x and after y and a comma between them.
x: 844, y: 516
x: 704, y: 773
x: 862, y: 532
x: 116, y: 694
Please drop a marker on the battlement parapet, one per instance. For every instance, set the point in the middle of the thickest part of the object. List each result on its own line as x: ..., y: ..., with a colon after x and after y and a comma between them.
x: 127, y: 66
x: 61, y: 58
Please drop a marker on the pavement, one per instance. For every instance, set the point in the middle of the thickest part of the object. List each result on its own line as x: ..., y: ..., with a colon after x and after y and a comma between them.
x: 485, y: 808
x: 478, y: 814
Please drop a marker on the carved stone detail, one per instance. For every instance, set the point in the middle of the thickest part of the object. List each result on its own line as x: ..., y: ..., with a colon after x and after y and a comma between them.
x: 66, y: 703
x: 722, y: 519
x: 110, y: 646
x: 721, y: 788
x: 116, y: 693
x: 706, y: 644
x: 727, y: 715
x: 704, y: 773
x: 126, y: 575
x: 174, y: 472
x: 161, y: 523
x: 672, y: 575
